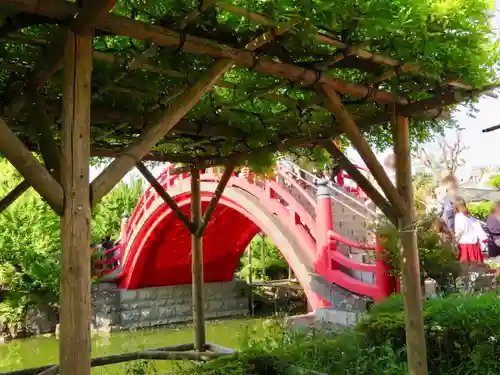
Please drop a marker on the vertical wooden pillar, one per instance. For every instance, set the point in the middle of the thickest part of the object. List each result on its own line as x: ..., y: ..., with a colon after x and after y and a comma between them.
x: 262, y: 256
x: 412, y: 290
x: 250, y: 280
x: 75, y: 310
x: 197, y: 263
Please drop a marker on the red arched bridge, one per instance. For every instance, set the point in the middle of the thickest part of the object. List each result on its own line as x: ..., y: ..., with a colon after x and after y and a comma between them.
x: 155, y: 249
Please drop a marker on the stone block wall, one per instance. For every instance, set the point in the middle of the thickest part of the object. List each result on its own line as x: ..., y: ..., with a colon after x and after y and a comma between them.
x: 119, y: 309
x: 349, y: 224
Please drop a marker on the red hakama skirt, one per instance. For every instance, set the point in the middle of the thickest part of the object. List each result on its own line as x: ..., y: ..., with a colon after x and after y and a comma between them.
x: 470, y: 253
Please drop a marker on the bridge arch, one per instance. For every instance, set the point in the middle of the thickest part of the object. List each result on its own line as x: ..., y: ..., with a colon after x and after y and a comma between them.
x: 158, y: 253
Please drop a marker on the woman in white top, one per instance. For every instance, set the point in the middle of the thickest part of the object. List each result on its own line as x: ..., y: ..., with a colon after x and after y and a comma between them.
x: 467, y: 236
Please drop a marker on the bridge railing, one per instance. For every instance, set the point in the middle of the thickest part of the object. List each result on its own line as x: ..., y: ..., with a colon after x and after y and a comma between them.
x: 106, y: 261
x: 384, y: 282
x: 357, y: 204
x: 278, y: 189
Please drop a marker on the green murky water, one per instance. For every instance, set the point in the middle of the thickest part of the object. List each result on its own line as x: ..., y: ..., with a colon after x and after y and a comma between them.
x: 40, y: 351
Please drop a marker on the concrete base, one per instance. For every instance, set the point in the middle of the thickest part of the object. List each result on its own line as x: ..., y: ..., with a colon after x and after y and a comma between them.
x: 120, y: 309
x: 326, y: 319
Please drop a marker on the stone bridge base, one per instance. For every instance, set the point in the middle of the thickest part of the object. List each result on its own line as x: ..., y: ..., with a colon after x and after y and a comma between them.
x: 117, y: 309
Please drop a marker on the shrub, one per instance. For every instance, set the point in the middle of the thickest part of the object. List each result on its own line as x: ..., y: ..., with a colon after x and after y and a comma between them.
x: 461, y: 335
x: 481, y: 210
x: 495, y: 181
x: 30, y: 244
x: 274, y: 265
x: 438, y: 258
x: 461, y: 332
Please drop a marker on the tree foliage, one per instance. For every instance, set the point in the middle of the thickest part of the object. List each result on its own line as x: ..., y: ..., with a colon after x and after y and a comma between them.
x: 495, y: 181
x: 267, y: 261
x: 481, y: 210
x: 448, y: 39
x: 30, y: 246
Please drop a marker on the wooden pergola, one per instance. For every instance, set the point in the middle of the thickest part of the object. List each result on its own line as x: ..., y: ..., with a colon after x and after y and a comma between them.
x: 136, y: 88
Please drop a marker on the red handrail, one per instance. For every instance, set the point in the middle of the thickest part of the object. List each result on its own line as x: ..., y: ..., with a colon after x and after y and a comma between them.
x: 333, y: 236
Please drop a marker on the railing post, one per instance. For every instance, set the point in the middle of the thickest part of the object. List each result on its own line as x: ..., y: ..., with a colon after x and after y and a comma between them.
x: 324, y: 223
x: 382, y: 277
x: 124, y: 227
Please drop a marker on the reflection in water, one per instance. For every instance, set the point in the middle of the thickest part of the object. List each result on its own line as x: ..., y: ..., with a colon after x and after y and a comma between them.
x: 40, y: 351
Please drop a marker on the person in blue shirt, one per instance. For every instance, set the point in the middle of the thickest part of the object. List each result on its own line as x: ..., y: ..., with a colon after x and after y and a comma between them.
x: 449, y: 201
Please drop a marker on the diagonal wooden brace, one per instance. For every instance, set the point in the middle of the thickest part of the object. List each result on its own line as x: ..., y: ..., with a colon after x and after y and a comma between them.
x: 349, y: 127
x: 215, y: 198
x: 13, y: 195
x: 363, y: 182
x: 165, y: 196
x: 31, y: 169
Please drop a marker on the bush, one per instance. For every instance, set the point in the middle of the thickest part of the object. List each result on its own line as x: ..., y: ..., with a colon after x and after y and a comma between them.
x: 274, y: 265
x: 495, y: 181
x: 30, y: 244
x: 461, y: 333
x: 481, y: 210
x: 438, y: 258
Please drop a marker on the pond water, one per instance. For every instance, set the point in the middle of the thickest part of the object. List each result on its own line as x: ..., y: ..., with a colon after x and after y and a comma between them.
x: 40, y: 351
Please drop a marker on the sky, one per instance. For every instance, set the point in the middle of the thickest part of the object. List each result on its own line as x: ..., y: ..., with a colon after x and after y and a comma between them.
x: 484, y: 148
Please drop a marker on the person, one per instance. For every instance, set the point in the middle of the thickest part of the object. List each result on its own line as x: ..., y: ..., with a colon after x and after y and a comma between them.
x: 493, y: 225
x: 448, y: 199
x: 334, y: 169
x: 481, y: 234
x: 466, y: 236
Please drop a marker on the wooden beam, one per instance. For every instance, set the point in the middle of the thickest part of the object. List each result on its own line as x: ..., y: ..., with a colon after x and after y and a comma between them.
x: 362, y: 181
x: 352, y: 132
x: 48, y: 147
x: 216, y: 197
x: 13, y: 195
x: 141, y: 59
x: 165, y: 196
x: 190, y: 44
x: 410, y: 266
x: 82, y: 22
x: 31, y: 169
x: 75, y: 300
x: 197, y: 264
x: 175, y: 112
x: 177, y: 352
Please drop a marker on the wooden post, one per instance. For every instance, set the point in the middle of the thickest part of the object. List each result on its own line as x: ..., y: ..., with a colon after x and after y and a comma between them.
x: 197, y: 264
x: 262, y: 256
x: 75, y: 310
x: 412, y: 290
x: 250, y: 281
